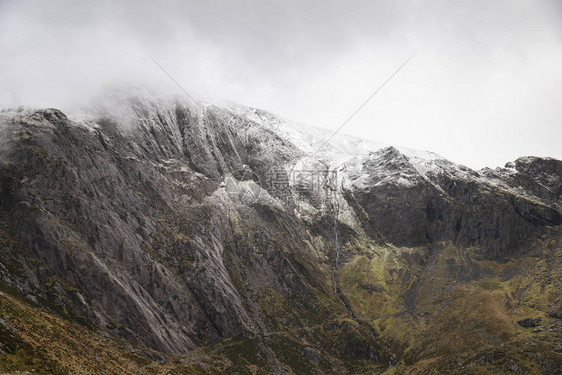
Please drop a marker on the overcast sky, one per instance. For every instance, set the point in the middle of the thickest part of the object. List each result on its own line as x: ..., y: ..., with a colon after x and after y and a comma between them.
x: 484, y: 86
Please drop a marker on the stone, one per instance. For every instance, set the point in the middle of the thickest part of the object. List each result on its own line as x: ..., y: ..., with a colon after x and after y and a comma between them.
x: 311, y: 354
x: 529, y: 322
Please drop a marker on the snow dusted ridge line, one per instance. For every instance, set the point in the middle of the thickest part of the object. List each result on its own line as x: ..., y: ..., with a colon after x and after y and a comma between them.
x: 349, y: 156
x: 307, y: 138
x: 346, y: 154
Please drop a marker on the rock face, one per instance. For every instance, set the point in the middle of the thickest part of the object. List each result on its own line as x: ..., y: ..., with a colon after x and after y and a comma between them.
x: 125, y: 220
x: 500, y: 211
x: 179, y: 226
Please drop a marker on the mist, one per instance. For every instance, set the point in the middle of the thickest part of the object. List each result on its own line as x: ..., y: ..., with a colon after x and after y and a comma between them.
x: 483, y: 88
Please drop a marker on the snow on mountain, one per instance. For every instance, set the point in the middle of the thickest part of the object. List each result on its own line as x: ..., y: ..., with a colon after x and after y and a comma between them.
x: 359, y: 163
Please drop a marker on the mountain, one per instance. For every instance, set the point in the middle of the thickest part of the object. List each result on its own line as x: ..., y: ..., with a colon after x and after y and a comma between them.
x: 150, y: 235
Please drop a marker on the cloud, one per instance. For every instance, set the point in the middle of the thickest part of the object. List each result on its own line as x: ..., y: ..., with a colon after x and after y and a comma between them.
x: 483, y: 87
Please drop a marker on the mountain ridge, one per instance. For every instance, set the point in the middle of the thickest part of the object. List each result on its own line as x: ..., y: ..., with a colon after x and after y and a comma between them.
x: 129, y: 222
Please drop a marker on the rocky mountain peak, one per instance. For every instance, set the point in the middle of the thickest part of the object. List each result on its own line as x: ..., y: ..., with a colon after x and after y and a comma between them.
x: 228, y: 231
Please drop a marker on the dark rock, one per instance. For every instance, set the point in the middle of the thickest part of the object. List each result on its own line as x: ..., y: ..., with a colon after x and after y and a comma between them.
x: 529, y: 322
x: 512, y: 366
x: 311, y: 354
x: 448, y: 205
x: 489, y: 358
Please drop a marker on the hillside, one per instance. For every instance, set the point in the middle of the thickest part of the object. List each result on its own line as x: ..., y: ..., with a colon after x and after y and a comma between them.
x: 176, y: 237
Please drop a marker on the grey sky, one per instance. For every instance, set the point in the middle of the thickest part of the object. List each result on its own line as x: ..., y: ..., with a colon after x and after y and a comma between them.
x: 484, y: 87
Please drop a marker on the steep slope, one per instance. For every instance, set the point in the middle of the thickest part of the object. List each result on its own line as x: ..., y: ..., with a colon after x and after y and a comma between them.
x: 454, y: 203
x: 214, y: 226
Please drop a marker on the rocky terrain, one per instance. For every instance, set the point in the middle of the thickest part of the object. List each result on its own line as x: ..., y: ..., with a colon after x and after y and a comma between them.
x: 164, y: 236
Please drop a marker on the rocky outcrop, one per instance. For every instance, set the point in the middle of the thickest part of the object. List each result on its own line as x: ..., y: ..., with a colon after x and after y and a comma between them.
x: 439, y: 201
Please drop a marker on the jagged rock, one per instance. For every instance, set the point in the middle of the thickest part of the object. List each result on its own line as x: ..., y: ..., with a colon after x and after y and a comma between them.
x: 512, y: 366
x: 311, y: 354
x: 529, y: 322
x: 489, y: 358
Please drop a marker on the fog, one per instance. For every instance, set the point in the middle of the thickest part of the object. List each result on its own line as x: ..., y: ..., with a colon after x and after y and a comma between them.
x: 484, y: 86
